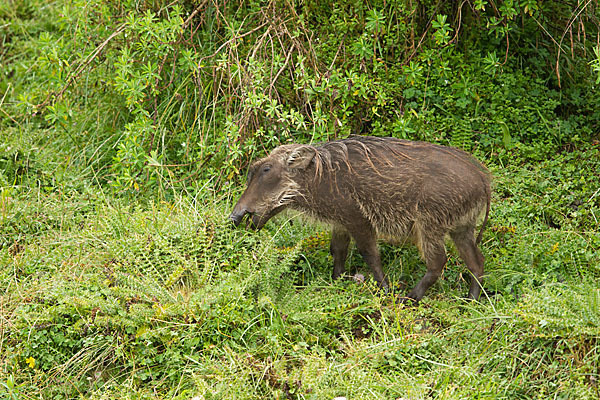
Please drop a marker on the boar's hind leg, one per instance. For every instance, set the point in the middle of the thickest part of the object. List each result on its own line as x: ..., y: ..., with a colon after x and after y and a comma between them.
x: 472, y: 257
x: 366, y: 242
x: 340, y: 239
x: 435, y: 259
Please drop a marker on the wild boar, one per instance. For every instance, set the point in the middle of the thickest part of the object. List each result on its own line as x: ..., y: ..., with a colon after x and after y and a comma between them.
x: 374, y: 187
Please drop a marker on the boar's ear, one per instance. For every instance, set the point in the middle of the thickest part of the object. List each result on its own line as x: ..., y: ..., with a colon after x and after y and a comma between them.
x: 300, y: 157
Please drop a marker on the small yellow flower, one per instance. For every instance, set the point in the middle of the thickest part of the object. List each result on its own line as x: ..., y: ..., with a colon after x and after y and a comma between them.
x: 31, y: 362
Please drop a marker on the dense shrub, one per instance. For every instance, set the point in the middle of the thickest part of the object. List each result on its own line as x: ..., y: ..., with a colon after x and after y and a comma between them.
x: 151, y: 95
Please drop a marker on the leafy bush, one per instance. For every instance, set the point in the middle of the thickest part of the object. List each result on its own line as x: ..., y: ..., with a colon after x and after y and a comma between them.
x: 154, y: 96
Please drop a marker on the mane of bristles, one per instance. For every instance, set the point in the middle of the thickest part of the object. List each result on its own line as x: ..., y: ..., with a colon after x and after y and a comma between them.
x: 337, y: 151
x: 330, y: 155
x: 334, y: 155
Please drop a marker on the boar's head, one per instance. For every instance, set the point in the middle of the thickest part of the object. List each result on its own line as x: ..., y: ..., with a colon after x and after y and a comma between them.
x: 273, y: 183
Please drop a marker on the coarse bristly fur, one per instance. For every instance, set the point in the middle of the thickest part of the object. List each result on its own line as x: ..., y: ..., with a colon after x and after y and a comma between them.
x: 370, y: 187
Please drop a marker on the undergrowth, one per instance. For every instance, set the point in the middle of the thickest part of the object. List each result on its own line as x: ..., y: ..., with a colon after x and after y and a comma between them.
x: 166, y: 299
x: 126, y: 128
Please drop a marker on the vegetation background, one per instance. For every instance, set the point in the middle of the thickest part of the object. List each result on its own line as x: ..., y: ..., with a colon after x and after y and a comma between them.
x: 126, y: 127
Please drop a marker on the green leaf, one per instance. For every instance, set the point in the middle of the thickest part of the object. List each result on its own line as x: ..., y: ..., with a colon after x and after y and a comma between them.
x: 506, y: 138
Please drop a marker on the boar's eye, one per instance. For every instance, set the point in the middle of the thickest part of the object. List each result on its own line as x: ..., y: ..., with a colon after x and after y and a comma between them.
x: 266, y: 168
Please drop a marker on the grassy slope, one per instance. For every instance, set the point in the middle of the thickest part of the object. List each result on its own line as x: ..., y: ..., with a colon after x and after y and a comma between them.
x: 107, y: 299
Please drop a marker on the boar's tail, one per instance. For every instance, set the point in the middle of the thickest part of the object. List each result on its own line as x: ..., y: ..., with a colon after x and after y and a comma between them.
x: 485, y: 219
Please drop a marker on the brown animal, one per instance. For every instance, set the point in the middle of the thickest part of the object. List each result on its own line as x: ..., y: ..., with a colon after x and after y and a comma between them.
x: 370, y: 187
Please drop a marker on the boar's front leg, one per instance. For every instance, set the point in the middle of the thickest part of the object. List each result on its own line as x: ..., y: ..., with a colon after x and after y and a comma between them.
x: 340, y: 239
x: 366, y: 241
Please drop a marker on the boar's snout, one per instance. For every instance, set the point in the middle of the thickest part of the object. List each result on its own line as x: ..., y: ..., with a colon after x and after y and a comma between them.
x: 237, y: 215
x: 254, y: 220
x: 241, y: 213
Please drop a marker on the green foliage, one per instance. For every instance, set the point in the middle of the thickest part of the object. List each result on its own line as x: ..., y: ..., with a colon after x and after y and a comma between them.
x: 114, y: 115
x: 559, y: 309
x: 151, y: 273
x: 146, y: 92
x: 595, y: 63
x: 122, y: 300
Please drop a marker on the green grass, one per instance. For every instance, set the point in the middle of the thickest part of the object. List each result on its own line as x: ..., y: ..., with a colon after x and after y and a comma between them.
x: 120, y: 277
x: 107, y: 298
